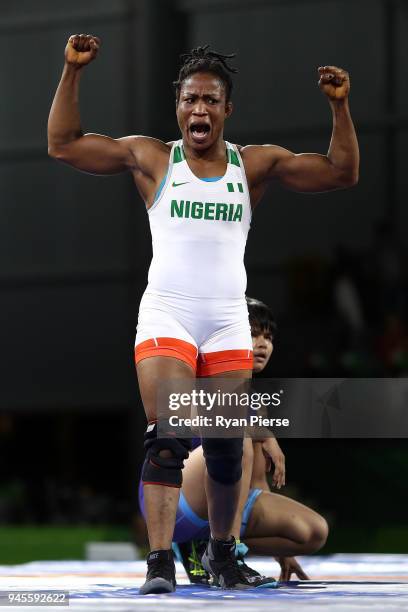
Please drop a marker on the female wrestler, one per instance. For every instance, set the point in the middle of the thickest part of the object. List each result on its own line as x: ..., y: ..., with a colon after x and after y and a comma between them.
x: 199, y: 191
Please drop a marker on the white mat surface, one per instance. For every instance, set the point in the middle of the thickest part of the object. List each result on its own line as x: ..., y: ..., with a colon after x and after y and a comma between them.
x: 338, y: 582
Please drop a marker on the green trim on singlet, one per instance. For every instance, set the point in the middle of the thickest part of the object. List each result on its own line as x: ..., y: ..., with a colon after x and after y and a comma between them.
x: 178, y: 155
x: 233, y: 157
x: 231, y: 188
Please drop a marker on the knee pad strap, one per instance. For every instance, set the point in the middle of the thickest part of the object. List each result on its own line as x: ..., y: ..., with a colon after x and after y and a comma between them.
x: 164, y: 470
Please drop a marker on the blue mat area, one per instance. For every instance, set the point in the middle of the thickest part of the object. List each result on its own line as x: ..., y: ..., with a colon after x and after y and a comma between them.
x: 297, y: 591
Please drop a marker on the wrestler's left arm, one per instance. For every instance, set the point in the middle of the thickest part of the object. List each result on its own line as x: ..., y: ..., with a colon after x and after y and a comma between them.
x: 313, y: 172
x: 275, y: 458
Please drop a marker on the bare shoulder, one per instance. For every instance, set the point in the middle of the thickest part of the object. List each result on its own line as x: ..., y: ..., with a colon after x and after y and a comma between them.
x: 147, y: 152
x: 146, y: 144
x: 264, y: 153
x: 259, y: 160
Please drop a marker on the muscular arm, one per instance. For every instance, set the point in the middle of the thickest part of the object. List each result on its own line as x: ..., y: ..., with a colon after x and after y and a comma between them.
x: 88, y: 152
x: 307, y: 172
x: 146, y: 157
x: 312, y: 172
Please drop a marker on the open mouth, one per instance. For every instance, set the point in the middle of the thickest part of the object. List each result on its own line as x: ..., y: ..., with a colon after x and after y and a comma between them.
x: 199, y: 131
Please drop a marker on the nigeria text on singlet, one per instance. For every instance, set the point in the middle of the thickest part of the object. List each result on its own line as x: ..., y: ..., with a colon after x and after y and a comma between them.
x: 199, y: 231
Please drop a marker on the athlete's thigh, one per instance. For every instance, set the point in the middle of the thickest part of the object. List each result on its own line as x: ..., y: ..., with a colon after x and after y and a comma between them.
x: 227, y: 352
x: 151, y: 372
x: 277, y: 515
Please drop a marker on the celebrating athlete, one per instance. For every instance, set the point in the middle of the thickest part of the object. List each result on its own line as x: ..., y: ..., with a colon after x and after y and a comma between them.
x: 199, y: 192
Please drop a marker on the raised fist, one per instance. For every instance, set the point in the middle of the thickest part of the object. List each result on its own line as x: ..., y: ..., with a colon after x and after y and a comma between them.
x: 334, y: 82
x: 81, y: 49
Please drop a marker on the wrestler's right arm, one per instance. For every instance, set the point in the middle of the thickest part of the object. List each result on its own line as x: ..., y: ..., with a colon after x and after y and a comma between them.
x: 92, y: 153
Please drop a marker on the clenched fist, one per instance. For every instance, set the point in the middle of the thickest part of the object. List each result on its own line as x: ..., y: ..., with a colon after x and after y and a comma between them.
x: 334, y: 82
x: 81, y: 49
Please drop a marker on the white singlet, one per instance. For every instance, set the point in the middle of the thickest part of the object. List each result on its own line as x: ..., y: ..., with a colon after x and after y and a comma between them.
x: 199, y: 231
x: 197, y: 279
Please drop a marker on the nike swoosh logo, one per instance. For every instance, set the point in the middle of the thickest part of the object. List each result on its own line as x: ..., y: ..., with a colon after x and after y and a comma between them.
x: 178, y: 184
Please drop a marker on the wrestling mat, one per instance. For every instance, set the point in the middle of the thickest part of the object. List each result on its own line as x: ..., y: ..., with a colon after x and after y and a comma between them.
x: 338, y: 582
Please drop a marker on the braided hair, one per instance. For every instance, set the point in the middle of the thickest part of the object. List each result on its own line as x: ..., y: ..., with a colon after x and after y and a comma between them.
x: 202, y: 59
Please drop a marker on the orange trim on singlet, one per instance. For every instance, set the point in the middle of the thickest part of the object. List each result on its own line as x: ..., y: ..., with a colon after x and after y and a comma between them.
x: 167, y: 347
x: 224, y: 361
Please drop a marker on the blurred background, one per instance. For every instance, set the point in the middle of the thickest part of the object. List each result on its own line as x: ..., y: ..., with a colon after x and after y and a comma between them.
x: 75, y: 250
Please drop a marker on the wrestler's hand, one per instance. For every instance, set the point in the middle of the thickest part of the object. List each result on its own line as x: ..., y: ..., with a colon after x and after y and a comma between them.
x: 334, y: 82
x: 81, y: 49
x: 273, y: 454
x: 290, y: 566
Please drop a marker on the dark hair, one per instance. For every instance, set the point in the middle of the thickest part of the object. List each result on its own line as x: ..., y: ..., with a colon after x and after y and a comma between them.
x: 261, y: 317
x: 202, y: 59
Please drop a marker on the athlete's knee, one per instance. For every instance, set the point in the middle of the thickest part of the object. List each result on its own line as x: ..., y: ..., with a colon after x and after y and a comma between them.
x: 223, y: 458
x: 320, y: 532
x: 164, y: 458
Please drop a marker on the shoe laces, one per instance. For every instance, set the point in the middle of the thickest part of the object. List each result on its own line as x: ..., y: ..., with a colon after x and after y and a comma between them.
x: 194, y: 558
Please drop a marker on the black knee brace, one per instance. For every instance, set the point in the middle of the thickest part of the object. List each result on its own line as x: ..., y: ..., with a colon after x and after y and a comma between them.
x: 223, y: 458
x: 164, y: 470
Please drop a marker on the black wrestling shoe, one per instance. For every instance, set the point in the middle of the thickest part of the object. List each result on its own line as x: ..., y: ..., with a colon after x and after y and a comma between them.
x: 219, y: 560
x: 161, y: 573
x: 189, y: 554
x: 253, y: 578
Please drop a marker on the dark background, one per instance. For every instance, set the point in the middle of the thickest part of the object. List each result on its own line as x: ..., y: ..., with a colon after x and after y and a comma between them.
x: 75, y: 249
